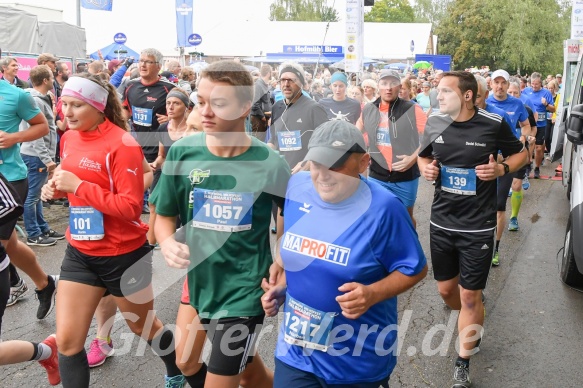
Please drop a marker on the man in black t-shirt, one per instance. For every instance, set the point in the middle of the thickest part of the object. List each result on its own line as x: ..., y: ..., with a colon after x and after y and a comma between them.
x: 458, y: 151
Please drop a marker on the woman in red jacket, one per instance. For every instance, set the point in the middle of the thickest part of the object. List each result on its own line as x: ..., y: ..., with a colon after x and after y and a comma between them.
x: 101, y: 173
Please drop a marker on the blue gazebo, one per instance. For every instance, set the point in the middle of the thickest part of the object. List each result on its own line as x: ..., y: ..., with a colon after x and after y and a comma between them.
x: 116, y: 51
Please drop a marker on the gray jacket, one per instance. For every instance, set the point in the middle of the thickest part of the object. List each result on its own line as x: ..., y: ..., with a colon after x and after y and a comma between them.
x: 46, y: 146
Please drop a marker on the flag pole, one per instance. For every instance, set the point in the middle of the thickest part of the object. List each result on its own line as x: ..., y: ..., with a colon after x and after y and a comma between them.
x: 78, y: 13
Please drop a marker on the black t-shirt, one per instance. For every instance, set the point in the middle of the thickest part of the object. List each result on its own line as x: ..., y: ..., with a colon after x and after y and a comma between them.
x: 459, y: 147
x: 292, y: 127
x: 347, y: 110
x: 144, y: 103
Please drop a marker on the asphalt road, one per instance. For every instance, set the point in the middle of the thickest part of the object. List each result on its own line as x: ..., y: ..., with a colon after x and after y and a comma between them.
x: 533, y: 328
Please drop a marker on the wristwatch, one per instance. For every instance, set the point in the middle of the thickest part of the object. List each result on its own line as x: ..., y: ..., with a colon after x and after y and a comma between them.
x: 506, y: 168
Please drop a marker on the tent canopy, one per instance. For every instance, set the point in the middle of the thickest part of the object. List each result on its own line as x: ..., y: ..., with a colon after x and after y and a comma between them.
x: 116, y: 51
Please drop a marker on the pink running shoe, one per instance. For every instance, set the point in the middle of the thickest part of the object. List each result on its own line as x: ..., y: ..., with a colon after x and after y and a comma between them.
x: 98, y: 352
x: 51, y: 364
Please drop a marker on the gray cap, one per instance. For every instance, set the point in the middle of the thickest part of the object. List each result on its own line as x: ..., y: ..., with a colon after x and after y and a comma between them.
x: 333, y: 142
x: 389, y: 73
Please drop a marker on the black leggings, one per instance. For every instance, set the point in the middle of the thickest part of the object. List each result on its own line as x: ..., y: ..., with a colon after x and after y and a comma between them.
x: 4, y: 291
x: 549, y: 135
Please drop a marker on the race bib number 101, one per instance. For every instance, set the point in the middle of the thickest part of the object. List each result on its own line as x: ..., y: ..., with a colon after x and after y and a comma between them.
x: 222, y: 211
x: 86, y: 223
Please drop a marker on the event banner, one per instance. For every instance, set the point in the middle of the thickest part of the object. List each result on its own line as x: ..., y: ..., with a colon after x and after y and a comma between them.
x: 354, y: 53
x: 100, y: 5
x: 26, y: 63
x: 577, y: 20
x: 183, y: 22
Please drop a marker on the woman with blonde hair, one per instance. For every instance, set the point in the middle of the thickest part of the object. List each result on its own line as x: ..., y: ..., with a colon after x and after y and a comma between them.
x: 371, y: 89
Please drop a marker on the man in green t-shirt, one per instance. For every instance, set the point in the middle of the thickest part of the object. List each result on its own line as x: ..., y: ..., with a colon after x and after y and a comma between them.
x: 221, y: 183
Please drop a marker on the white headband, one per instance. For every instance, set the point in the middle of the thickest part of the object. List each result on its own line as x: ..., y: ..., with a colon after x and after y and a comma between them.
x: 87, y: 91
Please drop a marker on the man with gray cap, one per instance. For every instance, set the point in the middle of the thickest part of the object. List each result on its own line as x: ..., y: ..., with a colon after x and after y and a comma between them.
x: 294, y: 118
x: 356, y: 238
x: 393, y: 127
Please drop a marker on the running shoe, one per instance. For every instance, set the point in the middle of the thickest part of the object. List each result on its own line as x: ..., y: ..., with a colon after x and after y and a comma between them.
x: 145, y: 209
x: 41, y: 241
x: 175, y: 381
x: 496, y: 259
x: 17, y: 292
x: 513, y: 225
x: 51, y: 364
x: 99, y: 351
x: 537, y: 173
x: 525, y: 183
x: 46, y: 298
x: 461, y: 376
x: 54, y: 234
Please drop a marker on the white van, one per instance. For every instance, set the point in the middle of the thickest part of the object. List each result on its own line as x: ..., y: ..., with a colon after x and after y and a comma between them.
x: 568, y: 144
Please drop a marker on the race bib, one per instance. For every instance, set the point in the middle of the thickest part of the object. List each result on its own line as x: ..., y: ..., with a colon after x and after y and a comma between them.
x: 541, y: 116
x: 222, y: 211
x: 305, y: 326
x: 86, y: 223
x: 289, y: 140
x: 549, y: 115
x: 383, y: 137
x: 458, y: 180
x: 142, y: 116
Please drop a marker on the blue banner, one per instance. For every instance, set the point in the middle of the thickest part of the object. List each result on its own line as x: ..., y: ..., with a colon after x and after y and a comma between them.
x: 101, y: 5
x: 183, y: 22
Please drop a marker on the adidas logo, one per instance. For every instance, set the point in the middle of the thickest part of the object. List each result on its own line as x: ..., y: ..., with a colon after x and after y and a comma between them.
x: 485, y: 246
x: 146, y: 90
x: 132, y: 281
x: 439, y: 140
x: 299, y: 120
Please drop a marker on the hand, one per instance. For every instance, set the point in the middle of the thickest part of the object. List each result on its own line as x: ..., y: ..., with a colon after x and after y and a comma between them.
x: 273, y: 299
x: 48, y: 191
x: 128, y: 62
x: 66, y: 181
x: 275, y: 272
x: 51, y: 166
x: 154, y: 165
x: 301, y: 166
x: 100, y: 55
x: 488, y: 172
x: 175, y: 253
x: 6, y: 139
x: 161, y: 118
x: 431, y: 171
x: 406, y: 162
x: 543, y: 101
x: 355, y: 301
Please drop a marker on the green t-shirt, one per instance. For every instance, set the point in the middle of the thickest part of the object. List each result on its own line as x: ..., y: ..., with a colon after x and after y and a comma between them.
x: 226, y: 205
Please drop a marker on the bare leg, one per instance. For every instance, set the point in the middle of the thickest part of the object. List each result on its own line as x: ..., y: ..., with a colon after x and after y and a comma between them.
x: 190, y: 338
x: 410, y: 210
x: 14, y: 352
x: 105, y: 316
x: 257, y: 375
x: 471, y: 318
x: 24, y: 258
x: 450, y: 292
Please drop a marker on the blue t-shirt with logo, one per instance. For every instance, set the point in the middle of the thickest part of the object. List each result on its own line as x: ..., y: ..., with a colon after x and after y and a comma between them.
x: 361, y: 239
x: 513, y: 107
x: 539, y: 110
x: 15, y: 105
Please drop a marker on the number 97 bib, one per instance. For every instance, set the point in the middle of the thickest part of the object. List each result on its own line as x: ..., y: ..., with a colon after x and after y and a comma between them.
x: 222, y: 211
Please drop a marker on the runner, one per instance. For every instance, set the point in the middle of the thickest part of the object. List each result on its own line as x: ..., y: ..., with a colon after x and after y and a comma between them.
x: 339, y: 106
x: 541, y: 102
x: 393, y: 126
x: 221, y: 183
x: 373, y: 254
x: 18, y: 105
x: 102, y: 174
x: 13, y: 352
x: 458, y: 152
x: 519, y: 122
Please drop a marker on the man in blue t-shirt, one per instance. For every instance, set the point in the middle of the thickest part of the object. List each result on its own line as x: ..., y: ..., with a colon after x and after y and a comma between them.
x: 541, y: 101
x: 358, y: 241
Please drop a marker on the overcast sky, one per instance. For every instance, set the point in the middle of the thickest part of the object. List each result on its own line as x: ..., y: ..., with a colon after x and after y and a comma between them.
x: 151, y: 23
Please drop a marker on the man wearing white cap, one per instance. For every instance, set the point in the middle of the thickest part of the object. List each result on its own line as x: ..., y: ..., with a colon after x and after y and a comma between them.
x: 518, y: 116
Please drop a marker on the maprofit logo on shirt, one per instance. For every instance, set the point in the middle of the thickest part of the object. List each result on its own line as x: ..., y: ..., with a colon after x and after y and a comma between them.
x: 316, y: 249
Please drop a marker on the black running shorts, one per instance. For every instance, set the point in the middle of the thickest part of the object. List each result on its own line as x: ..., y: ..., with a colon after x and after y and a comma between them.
x: 121, y: 275
x: 540, y: 135
x: 233, y: 343
x: 468, y: 255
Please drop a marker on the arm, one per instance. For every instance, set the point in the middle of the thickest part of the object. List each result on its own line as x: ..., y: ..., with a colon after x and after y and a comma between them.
x: 358, y: 298
x: 148, y: 174
x: 117, y: 77
x: 38, y: 128
x: 428, y: 167
x: 176, y: 254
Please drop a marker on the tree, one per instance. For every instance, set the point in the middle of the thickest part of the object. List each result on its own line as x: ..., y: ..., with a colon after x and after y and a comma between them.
x: 302, y: 10
x: 390, y: 11
x: 431, y: 11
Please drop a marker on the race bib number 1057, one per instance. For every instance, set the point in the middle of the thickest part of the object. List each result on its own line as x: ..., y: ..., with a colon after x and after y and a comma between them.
x: 222, y: 211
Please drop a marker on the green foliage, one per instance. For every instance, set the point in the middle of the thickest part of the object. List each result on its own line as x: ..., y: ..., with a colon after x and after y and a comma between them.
x: 390, y: 11
x: 524, y: 35
x: 431, y: 11
x: 302, y: 10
